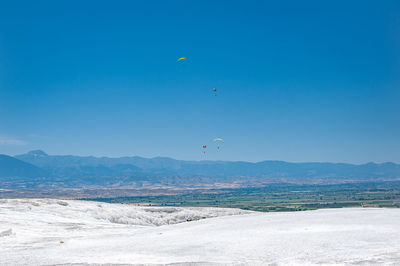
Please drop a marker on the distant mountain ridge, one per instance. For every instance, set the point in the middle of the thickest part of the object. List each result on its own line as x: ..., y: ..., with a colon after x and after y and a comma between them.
x: 136, y: 171
x: 162, y: 165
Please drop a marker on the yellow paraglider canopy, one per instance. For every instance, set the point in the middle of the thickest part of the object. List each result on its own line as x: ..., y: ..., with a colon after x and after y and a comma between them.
x: 219, y: 139
x: 182, y: 58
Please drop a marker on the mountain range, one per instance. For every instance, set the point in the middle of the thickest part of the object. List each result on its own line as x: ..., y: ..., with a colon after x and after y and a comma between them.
x: 38, y: 169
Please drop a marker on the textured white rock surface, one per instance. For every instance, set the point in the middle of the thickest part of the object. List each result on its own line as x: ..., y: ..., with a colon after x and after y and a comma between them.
x: 49, y: 232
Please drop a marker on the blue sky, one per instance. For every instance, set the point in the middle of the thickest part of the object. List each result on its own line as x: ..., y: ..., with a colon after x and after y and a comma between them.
x: 296, y: 80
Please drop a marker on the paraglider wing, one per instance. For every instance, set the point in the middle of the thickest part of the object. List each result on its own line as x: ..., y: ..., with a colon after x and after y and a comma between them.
x: 218, y: 141
x: 182, y: 58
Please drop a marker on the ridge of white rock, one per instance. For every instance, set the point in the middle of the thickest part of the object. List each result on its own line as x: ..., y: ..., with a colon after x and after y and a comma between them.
x: 47, y: 210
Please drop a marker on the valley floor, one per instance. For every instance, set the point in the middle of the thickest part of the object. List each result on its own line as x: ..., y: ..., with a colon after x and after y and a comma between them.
x: 63, y: 232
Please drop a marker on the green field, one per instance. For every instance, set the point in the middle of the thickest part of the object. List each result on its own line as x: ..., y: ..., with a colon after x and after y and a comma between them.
x: 280, y: 197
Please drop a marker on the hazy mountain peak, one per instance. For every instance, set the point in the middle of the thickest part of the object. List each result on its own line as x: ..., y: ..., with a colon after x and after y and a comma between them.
x: 37, y: 153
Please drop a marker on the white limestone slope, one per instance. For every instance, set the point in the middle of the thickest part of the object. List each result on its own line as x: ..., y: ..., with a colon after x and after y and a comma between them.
x: 100, y: 233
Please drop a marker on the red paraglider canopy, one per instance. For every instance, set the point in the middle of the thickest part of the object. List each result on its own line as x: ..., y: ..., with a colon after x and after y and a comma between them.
x: 204, y: 146
x: 214, y: 89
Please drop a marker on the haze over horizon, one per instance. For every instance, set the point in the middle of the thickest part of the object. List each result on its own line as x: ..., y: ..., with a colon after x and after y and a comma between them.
x: 297, y: 82
x: 166, y: 157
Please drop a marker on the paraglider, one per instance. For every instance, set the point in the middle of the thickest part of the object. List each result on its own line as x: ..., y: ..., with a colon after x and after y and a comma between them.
x: 204, y: 148
x: 218, y: 141
x: 215, y: 91
x: 182, y: 58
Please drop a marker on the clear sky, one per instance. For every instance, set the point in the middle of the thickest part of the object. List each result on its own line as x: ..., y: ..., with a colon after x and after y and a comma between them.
x: 296, y: 80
